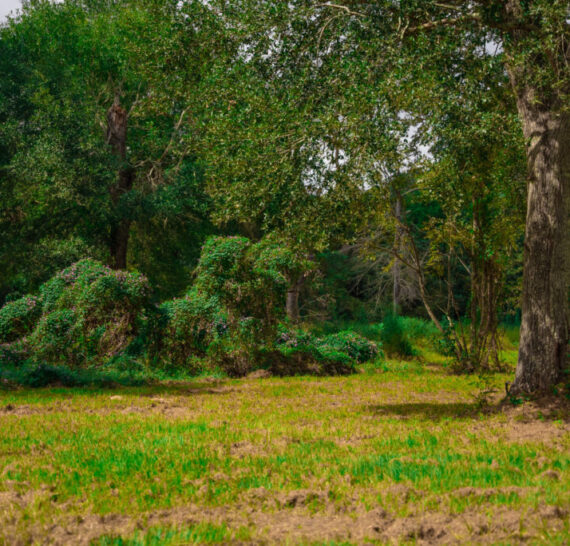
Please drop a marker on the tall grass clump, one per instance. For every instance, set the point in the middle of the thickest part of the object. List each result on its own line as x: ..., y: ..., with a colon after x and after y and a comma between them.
x: 395, y: 340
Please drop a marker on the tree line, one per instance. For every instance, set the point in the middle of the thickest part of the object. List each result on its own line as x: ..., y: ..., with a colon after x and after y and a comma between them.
x: 410, y: 154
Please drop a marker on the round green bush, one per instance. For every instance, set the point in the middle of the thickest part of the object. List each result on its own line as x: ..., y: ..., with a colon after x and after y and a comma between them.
x: 350, y: 343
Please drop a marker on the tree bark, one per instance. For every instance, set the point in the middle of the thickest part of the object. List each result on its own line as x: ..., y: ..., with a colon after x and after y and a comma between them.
x: 544, y: 330
x: 541, y: 85
x: 117, y: 138
x: 292, y: 303
x: 396, y: 267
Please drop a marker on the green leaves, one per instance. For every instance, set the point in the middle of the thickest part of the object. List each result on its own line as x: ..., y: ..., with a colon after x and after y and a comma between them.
x: 83, y: 315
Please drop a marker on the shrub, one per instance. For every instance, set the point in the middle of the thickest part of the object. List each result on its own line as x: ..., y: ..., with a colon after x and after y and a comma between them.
x: 11, y: 355
x: 235, y: 361
x: 185, y: 328
x: 295, y: 338
x: 445, y: 343
x: 236, y: 350
x: 394, y: 338
x: 350, y: 343
x: 332, y: 354
x: 307, y: 361
x: 18, y: 318
x: 230, y: 315
x: 221, y: 271
x: 40, y: 374
x: 44, y: 375
x: 53, y: 339
x: 417, y: 328
x: 84, y: 314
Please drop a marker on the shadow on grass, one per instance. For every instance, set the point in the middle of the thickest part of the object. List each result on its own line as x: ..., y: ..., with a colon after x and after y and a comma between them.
x: 185, y: 388
x: 429, y: 411
x: 546, y: 408
x: 63, y: 379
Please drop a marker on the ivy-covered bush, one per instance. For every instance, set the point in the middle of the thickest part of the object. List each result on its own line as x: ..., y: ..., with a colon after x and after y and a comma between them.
x: 278, y: 263
x: 355, y: 346
x: 184, y: 328
x: 83, y: 315
x: 302, y: 360
x: 11, y: 355
x: 89, y: 314
x: 241, y: 349
x: 18, y: 318
x: 230, y: 314
x: 54, y: 338
x: 222, y: 270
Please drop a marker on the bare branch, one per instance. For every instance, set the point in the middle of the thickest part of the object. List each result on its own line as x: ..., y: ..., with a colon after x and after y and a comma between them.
x: 447, y: 6
x: 341, y: 7
x: 444, y: 23
x: 324, y: 27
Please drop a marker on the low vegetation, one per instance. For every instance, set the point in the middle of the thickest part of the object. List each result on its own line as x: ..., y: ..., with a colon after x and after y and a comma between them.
x: 89, y: 318
x: 401, y: 452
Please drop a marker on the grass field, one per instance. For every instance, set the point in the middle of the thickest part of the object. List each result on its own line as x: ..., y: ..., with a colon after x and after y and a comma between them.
x: 394, y: 456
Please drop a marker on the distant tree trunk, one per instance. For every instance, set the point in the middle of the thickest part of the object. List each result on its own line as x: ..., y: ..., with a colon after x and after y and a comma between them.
x: 396, y: 268
x: 292, y: 304
x: 117, y: 139
x: 544, y: 330
x: 485, y: 282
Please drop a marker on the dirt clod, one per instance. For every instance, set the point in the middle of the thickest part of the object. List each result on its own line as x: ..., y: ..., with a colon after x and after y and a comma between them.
x: 302, y: 498
x: 551, y: 475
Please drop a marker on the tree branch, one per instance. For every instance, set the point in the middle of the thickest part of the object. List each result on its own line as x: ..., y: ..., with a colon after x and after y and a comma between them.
x: 344, y: 8
x: 324, y: 27
x: 444, y: 23
x: 448, y: 6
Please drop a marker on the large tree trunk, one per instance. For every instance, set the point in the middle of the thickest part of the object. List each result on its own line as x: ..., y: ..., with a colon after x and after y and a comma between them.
x: 117, y: 139
x: 546, y: 279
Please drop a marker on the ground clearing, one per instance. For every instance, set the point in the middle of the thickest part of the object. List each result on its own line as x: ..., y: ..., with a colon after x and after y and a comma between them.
x: 391, y: 457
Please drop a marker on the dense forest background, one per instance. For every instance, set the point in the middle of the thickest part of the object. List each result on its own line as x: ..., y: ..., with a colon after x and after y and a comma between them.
x: 212, y: 180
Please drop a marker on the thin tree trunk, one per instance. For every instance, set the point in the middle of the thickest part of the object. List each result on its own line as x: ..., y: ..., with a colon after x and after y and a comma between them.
x: 546, y: 280
x: 396, y: 268
x: 485, y: 278
x: 120, y: 243
x: 476, y: 282
x: 117, y: 139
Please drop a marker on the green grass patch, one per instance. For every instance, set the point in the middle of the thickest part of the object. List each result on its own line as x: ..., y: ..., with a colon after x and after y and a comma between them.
x: 239, y: 445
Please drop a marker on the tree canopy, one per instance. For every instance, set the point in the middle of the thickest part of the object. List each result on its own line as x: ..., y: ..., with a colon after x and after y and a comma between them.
x: 404, y: 139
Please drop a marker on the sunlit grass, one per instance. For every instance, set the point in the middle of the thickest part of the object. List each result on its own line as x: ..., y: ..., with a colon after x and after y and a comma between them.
x: 138, y: 450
